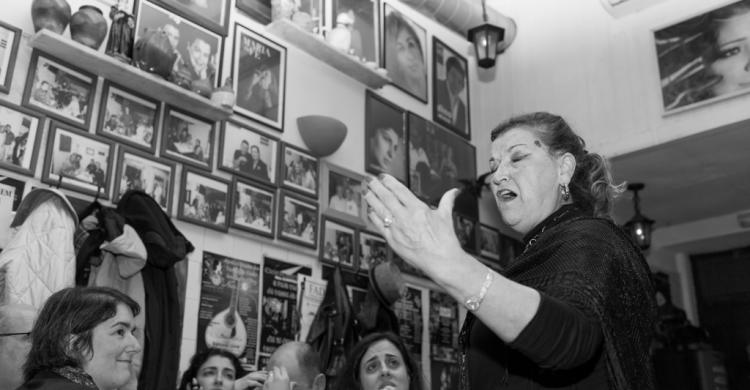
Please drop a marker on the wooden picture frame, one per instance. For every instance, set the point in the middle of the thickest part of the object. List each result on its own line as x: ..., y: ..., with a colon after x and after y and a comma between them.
x: 385, y: 137
x: 300, y: 170
x: 129, y: 117
x: 237, y: 146
x: 259, y: 10
x: 140, y: 171
x: 488, y: 242
x: 204, y: 200
x: 60, y: 90
x: 338, y: 242
x: 408, y: 73
x: 373, y: 250
x: 253, y: 207
x: 213, y: 14
x: 22, y: 153
x: 297, y: 220
x: 341, y: 194
x: 10, y: 37
x: 187, y: 139
x: 450, y: 71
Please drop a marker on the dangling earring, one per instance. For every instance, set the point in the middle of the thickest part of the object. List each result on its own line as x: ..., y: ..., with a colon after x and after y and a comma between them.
x: 565, y: 192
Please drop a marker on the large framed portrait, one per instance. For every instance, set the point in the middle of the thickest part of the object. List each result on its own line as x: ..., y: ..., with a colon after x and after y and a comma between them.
x: 364, y: 43
x: 385, y: 138
x: 187, y: 139
x: 260, y: 10
x: 465, y: 228
x: 198, y: 49
x: 338, y: 242
x: 20, y: 134
x: 253, y: 207
x: 438, y: 159
x: 10, y: 36
x: 373, y: 250
x: 703, y: 59
x: 450, y: 89
x: 299, y: 170
x: 78, y: 161
x: 488, y: 242
x: 139, y: 171
x: 259, y: 75
x: 204, y: 200
x: 128, y: 117
x: 341, y: 194
x: 297, y: 220
x: 246, y: 152
x: 59, y: 90
x: 211, y: 14
x: 405, y: 52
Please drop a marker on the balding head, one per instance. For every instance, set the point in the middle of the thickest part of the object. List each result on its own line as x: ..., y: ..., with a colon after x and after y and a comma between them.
x: 16, y: 322
x: 302, y: 363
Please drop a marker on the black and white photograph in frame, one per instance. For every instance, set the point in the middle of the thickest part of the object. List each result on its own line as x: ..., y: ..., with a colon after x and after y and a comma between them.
x: 363, y: 17
x: 373, y: 250
x: 704, y: 59
x: 211, y: 14
x: 10, y: 36
x: 246, y: 152
x: 465, y: 229
x: 488, y: 242
x: 259, y: 76
x: 78, y: 161
x: 259, y: 10
x: 139, y: 171
x: 299, y: 170
x: 187, y: 139
x: 128, y: 117
x: 20, y: 135
x: 405, y: 52
x: 198, y: 49
x: 297, y: 220
x: 385, y: 137
x: 253, y: 207
x: 338, y: 242
x: 450, y: 88
x: 341, y: 194
x: 204, y: 200
x: 59, y: 90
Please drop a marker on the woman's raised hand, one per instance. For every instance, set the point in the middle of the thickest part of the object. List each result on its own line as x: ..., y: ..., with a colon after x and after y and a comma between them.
x: 278, y: 379
x: 253, y: 380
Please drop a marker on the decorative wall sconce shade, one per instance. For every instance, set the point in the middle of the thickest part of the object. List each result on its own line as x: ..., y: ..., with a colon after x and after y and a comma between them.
x: 322, y: 134
x: 639, y: 227
x: 485, y: 39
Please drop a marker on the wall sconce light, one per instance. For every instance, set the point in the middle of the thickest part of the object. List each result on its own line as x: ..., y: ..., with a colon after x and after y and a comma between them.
x: 639, y: 227
x: 486, y: 38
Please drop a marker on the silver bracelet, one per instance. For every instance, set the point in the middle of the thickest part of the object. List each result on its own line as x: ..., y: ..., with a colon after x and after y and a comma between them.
x: 473, y: 302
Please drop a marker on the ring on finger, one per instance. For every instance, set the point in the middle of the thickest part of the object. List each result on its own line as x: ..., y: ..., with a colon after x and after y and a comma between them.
x: 387, y: 222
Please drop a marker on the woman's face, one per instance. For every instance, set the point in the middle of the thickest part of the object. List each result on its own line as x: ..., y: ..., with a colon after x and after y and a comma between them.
x: 383, y: 367
x: 409, y: 55
x: 733, y: 62
x: 217, y: 373
x: 525, y: 179
x: 113, y: 346
x: 384, y: 147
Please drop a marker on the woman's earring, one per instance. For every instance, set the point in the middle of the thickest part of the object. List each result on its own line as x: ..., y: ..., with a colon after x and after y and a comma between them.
x: 565, y: 192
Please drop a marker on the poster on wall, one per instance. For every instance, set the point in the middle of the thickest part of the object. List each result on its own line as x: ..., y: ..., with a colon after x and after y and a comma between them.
x: 444, y: 329
x: 228, y: 311
x: 311, y: 294
x: 408, y: 310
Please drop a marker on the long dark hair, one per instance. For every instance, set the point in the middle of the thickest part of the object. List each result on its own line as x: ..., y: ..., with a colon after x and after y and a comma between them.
x: 201, y: 357
x: 349, y: 376
x: 71, y: 312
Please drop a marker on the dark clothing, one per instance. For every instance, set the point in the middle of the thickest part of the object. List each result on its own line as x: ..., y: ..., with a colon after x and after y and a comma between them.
x: 259, y: 169
x: 48, y: 380
x: 444, y: 110
x: 595, y: 320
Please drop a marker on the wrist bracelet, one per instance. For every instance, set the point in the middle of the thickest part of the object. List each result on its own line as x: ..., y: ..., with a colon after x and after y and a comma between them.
x: 473, y: 302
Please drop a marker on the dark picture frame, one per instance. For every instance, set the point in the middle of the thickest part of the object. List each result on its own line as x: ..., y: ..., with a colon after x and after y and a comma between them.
x: 129, y: 117
x: 259, y: 76
x: 407, y: 73
x: 204, y: 200
x: 238, y: 143
x: 22, y: 154
x: 466, y: 231
x: 385, y: 137
x: 297, y: 220
x: 259, y: 10
x: 78, y: 161
x: 213, y: 16
x: 140, y: 171
x: 365, y: 13
x: 488, y: 242
x: 341, y: 194
x: 338, y: 242
x: 253, y: 207
x: 300, y: 170
x: 59, y: 90
x: 450, y: 71
x: 10, y: 37
x: 196, y: 148
x: 373, y: 250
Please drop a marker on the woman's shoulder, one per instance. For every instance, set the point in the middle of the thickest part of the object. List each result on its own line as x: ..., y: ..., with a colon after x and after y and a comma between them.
x: 47, y: 380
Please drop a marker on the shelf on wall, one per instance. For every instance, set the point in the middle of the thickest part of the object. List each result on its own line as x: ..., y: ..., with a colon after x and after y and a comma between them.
x: 320, y: 49
x: 127, y: 75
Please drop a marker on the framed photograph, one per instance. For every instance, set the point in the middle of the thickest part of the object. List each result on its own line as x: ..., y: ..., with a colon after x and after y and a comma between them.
x: 465, y: 228
x: 198, y: 49
x: 701, y: 59
x: 20, y: 132
x: 438, y: 159
x: 299, y: 170
x: 59, y: 90
x: 364, y: 43
x: 253, y: 207
x: 187, y: 139
x: 338, y: 242
x: 129, y: 117
x: 211, y: 14
x: 450, y: 89
x: 488, y: 242
x: 9, y: 185
x: 259, y: 10
x: 297, y: 220
x: 248, y: 153
x: 139, y: 171
x: 404, y: 52
x: 385, y: 138
x: 373, y: 250
x: 78, y: 161
x: 9, y: 38
x: 341, y: 197
x: 259, y: 74
x: 204, y: 200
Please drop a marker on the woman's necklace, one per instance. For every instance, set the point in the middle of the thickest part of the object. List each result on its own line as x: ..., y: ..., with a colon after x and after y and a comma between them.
x: 534, y: 239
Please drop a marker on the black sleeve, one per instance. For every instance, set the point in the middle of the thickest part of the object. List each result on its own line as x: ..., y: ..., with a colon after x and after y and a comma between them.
x: 559, y: 336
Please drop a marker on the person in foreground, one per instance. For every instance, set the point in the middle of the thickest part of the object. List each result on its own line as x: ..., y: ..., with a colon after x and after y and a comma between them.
x: 217, y: 369
x: 380, y: 361
x: 16, y: 321
x: 82, y: 340
x: 575, y: 310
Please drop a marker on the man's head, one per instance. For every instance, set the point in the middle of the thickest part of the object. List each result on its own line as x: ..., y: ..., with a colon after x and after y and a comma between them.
x: 302, y: 363
x: 173, y: 34
x: 244, y: 147
x: 16, y: 322
x: 199, y: 51
x: 455, y: 75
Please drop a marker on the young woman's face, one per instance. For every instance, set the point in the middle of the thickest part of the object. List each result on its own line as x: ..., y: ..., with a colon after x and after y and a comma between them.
x: 733, y: 62
x: 217, y: 373
x: 113, y: 346
x: 382, y: 366
x: 384, y: 146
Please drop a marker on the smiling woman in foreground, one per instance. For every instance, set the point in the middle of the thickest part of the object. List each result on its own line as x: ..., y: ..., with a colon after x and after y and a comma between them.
x: 575, y: 310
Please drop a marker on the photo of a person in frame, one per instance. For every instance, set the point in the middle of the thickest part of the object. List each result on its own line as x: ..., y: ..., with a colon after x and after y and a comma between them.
x: 451, y: 108
x: 404, y: 54
x: 247, y: 160
x: 384, y: 131
x: 258, y: 78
